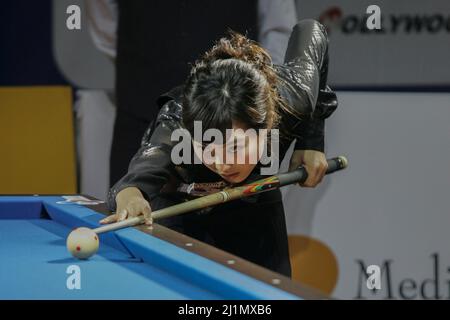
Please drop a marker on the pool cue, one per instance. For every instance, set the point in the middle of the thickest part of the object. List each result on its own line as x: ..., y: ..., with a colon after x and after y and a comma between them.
x: 228, y: 194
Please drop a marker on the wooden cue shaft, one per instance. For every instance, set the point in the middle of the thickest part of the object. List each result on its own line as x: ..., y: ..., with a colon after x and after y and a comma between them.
x: 119, y: 225
x: 226, y: 195
x: 192, y: 205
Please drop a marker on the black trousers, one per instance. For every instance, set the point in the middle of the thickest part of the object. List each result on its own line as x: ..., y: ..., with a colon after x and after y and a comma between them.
x: 127, y: 136
x: 253, y: 229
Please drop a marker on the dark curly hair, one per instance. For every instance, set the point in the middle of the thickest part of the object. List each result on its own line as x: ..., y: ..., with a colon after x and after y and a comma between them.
x: 235, y: 80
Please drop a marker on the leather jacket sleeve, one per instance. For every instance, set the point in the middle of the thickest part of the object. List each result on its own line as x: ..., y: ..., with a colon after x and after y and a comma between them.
x: 304, y: 83
x: 151, y: 167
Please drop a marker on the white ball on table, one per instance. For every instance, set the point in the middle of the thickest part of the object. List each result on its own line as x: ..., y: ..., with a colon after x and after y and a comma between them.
x: 82, y: 243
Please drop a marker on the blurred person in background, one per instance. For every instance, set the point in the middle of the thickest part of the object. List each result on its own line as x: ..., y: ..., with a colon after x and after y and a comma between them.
x: 153, y: 42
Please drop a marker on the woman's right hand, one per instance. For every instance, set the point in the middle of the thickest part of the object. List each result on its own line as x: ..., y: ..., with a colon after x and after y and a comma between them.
x: 130, y: 203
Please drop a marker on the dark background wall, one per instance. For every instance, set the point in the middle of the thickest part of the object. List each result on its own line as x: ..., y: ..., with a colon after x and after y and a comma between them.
x: 26, y: 56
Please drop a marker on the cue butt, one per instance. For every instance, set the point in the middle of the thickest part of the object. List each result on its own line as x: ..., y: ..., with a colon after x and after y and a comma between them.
x: 300, y: 175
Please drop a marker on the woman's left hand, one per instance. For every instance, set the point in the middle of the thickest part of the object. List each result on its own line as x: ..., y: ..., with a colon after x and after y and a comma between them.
x: 314, y: 162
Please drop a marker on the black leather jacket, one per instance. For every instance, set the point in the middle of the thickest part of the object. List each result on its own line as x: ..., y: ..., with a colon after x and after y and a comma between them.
x: 302, y: 84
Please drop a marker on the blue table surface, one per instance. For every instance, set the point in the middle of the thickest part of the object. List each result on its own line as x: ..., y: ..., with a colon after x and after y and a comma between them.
x: 129, y: 264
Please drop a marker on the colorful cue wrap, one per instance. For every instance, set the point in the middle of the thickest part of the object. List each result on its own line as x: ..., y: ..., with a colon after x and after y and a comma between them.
x: 270, y: 183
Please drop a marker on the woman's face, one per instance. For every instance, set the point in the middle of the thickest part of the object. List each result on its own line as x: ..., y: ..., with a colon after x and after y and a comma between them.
x: 236, y: 158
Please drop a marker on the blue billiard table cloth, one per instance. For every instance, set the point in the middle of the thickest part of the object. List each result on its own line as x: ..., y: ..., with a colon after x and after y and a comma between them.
x: 130, y: 263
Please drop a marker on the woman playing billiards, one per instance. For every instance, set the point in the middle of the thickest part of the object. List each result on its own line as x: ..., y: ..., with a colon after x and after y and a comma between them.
x: 235, y: 86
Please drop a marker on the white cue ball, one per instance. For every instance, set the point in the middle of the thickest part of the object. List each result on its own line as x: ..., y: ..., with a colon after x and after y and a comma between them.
x: 82, y: 243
